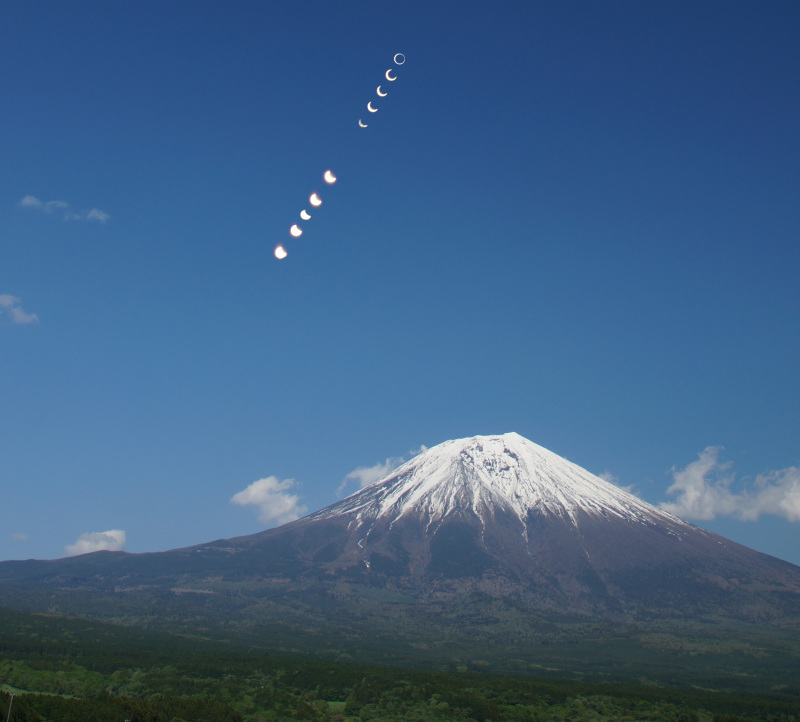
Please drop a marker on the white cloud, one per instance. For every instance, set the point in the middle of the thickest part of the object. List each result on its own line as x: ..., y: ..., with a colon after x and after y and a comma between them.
x: 609, y: 477
x: 19, y: 536
x: 30, y: 202
x: 366, y: 475
x: 703, y: 491
x: 11, y: 306
x: 95, y: 214
x: 612, y: 479
x: 272, y: 498
x: 112, y: 540
x: 777, y: 493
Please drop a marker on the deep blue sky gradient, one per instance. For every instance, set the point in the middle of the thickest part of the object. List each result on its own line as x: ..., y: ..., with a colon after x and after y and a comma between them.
x: 577, y: 221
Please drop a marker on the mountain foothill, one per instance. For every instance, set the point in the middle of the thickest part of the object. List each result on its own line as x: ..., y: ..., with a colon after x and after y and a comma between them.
x: 489, y: 547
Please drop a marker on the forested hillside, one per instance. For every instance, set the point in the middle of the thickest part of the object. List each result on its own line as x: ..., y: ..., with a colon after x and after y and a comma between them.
x: 76, y: 671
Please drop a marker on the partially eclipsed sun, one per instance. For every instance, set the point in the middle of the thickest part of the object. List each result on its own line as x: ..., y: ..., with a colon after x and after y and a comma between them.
x: 296, y: 231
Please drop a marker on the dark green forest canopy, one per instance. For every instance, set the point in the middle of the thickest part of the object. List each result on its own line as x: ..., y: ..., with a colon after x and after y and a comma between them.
x: 72, y: 669
x: 470, y: 632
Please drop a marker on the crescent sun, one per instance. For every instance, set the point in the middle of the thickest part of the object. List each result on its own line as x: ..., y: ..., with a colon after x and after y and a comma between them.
x: 370, y: 108
x: 280, y: 252
x: 383, y: 95
x: 296, y: 231
x: 329, y: 177
x: 315, y: 200
x: 388, y: 74
x: 363, y: 125
x: 304, y: 215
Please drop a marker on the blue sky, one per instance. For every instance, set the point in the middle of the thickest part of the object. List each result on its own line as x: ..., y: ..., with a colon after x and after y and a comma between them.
x: 577, y: 221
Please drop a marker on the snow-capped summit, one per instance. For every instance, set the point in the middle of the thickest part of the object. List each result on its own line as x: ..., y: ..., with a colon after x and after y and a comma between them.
x: 492, y: 536
x: 490, y: 474
x: 491, y: 516
x: 491, y: 512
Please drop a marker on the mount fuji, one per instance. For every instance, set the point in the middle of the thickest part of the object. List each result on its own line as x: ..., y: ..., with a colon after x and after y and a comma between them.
x: 492, y: 515
x: 503, y: 516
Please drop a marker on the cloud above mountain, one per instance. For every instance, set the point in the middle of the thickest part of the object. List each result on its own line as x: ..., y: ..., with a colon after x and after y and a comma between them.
x: 704, y: 490
x: 273, y: 499
x: 366, y: 475
x: 112, y: 540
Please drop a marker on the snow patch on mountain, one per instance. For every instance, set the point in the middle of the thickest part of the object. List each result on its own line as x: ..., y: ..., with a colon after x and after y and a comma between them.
x: 488, y: 473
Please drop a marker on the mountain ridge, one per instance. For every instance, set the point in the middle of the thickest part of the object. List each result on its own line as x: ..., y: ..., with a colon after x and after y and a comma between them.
x: 491, y: 515
x: 493, y: 536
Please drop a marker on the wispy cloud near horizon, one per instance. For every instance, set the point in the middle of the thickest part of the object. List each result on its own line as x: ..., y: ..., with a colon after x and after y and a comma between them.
x: 11, y: 306
x: 703, y: 490
x: 65, y: 210
x: 275, y: 504
x: 366, y: 475
x: 112, y: 540
x: 612, y: 479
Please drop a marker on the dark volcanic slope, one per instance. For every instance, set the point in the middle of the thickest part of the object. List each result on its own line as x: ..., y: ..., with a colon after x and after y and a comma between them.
x: 494, y: 514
